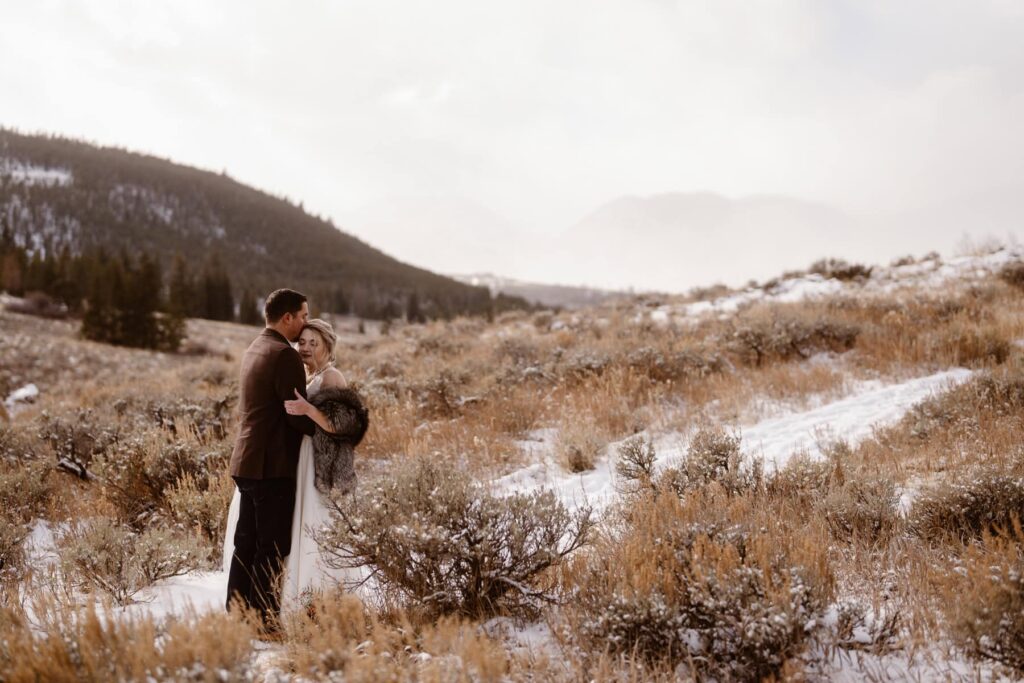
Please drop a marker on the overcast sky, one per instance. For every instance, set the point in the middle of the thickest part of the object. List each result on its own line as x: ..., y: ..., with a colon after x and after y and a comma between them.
x: 539, y: 111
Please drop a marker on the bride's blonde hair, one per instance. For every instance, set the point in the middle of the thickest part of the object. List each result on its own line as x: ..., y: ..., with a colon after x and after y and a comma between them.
x: 326, y: 332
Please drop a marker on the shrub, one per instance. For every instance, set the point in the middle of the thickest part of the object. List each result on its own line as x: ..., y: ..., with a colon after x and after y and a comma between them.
x: 968, y: 507
x: 1013, y: 274
x: 713, y: 456
x: 437, y: 538
x: 63, y: 643
x: 76, y: 440
x: 840, y: 269
x: 863, y: 509
x: 102, y: 555
x: 40, y: 304
x: 973, y: 345
x: 12, y: 551
x: 202, y: 505
x: 998, y: 392
x: 664, y: 367
x: 985, y: 600
x: 440, y: 396
x: 803, y: 481
x: 579, y: 444
x: 774, y: 338
x: 859, y: 627
x: 708, y: 582
x: 138, y: 473
x: 636, y: 460
x: 24, y: 492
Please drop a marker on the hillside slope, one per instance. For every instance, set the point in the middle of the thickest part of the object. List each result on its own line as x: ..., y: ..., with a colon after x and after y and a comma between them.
x: 56, y: 192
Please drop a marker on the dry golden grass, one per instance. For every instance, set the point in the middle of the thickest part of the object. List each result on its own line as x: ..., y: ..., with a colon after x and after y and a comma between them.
x: 338, y: 635
x: 63, y: 643
x: 463, y: 393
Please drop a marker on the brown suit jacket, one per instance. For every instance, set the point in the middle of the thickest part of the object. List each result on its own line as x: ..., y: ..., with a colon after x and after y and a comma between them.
x: 268, y: 437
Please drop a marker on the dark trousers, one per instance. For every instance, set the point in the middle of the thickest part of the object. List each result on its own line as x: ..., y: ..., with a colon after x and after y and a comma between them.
x: 263, y: 538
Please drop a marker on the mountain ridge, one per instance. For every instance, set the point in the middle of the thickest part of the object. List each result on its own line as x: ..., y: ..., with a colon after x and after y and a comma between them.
x: 58, y: 192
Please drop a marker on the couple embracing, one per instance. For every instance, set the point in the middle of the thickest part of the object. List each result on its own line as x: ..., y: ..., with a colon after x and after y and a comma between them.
x: 299, y: 424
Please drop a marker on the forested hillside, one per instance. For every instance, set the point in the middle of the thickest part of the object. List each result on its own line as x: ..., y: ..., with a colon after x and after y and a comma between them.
x: 60, y: 195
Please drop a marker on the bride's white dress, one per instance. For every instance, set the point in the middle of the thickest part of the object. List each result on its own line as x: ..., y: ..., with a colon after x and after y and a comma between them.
x: 305, y: 571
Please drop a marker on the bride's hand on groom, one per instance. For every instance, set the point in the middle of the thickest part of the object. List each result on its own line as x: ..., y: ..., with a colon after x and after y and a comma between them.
x: 299, y: 406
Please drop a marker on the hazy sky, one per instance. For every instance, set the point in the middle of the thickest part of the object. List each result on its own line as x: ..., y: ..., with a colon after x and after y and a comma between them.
x: 540, y: 111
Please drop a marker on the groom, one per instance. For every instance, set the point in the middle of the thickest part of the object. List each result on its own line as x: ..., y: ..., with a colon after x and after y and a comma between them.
x: 266, y: 455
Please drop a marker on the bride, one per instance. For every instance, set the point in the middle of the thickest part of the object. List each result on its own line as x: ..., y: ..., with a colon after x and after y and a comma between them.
x: 325, y: 465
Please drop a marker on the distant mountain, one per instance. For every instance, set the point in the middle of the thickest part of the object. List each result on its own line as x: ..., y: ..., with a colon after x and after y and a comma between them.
x: 677, y: 240
x: 56, y: 192
x: 561, y: 296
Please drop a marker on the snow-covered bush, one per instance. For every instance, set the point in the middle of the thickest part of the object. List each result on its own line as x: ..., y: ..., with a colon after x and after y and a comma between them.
x: 862, y: 508
x: 102, y: 555
x: 803, y: 481
x: 713, y: 456
x: 711, y: 582
x: 856, y: 625
x: 985, y: 600
x: 968, y: 506
x: 436, y: 537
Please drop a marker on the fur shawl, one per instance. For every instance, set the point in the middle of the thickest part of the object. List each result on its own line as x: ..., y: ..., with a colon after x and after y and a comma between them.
x: 333, y: 454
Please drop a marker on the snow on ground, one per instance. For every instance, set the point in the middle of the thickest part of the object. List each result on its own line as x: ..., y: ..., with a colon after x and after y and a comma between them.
x: 926, y: 274
x: 774, y: 441
x: 201, y: 591
x: 19, y: 397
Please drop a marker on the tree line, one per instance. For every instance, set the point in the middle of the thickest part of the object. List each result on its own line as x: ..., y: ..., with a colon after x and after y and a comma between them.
x: 126, y: 299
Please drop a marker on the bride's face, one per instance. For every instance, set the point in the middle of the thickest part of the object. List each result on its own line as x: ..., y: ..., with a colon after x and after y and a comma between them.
x: 311, y: 349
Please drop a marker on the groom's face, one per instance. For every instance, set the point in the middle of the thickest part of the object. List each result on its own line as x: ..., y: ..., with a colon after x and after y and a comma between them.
x: 297, y: 320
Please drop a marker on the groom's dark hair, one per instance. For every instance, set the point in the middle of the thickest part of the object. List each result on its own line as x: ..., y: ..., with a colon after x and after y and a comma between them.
x: 280, y: 302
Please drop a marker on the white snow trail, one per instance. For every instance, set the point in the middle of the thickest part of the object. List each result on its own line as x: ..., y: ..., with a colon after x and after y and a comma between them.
x: 773, y: 440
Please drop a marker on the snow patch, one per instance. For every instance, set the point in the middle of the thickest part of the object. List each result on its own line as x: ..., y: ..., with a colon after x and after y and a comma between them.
x: 28, y: 173
x: 19, y: 398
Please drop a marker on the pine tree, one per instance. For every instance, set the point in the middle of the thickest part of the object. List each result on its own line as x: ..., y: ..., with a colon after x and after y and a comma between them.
x: 340, y: 301
x: 124, y: 297
x: 219, y: 301
x: 181, y: 291
x: 99, y: 322
x: 412, y: 309
x: 249, y: 310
